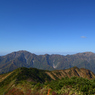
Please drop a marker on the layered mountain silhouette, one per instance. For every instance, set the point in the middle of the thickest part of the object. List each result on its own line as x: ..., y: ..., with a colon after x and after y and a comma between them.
x: 22, y: 58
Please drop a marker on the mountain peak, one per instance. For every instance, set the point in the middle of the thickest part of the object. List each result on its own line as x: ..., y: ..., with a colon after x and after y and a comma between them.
x: 22, y: 51
x: 75, y: 67
x: 24, y: 58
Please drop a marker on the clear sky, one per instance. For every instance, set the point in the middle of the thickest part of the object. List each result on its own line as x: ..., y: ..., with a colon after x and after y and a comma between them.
x: 47, y: 26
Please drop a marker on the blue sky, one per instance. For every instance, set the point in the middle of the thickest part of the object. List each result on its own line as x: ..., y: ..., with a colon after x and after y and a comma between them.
x: 47, y: 26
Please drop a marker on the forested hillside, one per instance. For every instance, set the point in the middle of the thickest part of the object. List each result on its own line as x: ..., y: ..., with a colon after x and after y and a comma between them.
x: 18, y: 59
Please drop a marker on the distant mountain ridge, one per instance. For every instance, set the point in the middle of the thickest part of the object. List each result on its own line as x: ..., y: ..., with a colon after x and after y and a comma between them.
x: 22, y: 58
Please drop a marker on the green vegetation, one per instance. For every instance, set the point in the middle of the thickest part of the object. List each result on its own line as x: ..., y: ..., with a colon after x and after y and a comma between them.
x: 85, y: 86
x: 32, y: 73
x: 24, y: 81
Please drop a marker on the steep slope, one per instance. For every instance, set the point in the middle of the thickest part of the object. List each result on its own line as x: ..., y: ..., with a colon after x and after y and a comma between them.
x: 31, y: 75
x: 81, y: 60
x: 27, y: 81
x: 18, y: 59
x: 74, y: 71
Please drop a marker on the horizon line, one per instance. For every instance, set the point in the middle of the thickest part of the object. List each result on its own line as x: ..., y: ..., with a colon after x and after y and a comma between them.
x: 43, y: 53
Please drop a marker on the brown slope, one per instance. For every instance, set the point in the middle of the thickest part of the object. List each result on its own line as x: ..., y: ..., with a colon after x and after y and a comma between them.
x: 4, y: 76
x: 58, y: 74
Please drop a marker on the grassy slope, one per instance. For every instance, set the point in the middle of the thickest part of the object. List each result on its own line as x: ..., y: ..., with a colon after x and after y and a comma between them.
x: 20, y: 75
x: 24, y: 81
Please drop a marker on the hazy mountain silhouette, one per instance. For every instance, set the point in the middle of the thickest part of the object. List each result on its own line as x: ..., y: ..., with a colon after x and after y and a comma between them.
x: 22, y: 58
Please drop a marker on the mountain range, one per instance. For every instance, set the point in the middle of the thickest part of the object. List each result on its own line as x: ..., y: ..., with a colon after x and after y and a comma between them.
x: 23, y: 58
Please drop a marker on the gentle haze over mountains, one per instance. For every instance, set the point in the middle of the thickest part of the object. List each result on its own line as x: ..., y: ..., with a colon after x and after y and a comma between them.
x: 47, y: 26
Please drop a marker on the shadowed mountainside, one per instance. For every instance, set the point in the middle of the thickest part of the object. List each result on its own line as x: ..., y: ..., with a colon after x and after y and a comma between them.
x: 18, y: 59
